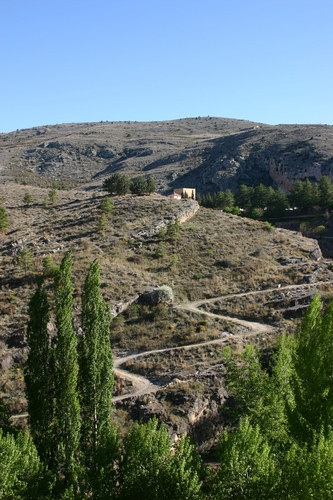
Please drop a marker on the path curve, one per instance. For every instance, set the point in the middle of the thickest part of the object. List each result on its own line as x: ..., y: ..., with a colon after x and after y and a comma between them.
x: 143, y: 385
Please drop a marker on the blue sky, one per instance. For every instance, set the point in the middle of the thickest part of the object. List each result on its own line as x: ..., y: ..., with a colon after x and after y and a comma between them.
x: 78, y: 61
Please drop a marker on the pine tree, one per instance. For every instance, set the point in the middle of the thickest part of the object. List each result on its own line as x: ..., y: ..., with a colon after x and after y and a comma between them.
x: 67, y: 418
x: 25, y: 259
x: 38, y: 376
x: 27, y: 200
x: 95, y: 360
x: 106, y: 205
x: 3, y: 219
x: 151, y: 185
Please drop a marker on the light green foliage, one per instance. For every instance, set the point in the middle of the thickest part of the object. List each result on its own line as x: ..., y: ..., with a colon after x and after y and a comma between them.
x: 103, y: 222
x: 4, y: 223
x: 49, y: 268
x: 52, y: 196
x: 160, y: 251
x: 95, y: 361
x: 20, y: 467
x: 149, y: 468
x: 312, y: 381
x: 107, y: 205
x: 67, y: 418
x: 25, y: 259
x: 27, y: 200
x: 264, y: 398
x: 247, y: 464
x: 284, y: 446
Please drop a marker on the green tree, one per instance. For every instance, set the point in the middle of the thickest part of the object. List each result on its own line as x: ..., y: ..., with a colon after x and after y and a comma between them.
x: 38, y: 376
x: 139, y: 186
x: 173, y: 229
x: 228, y: 199
x: 117, y: 184
x: 4, y: 223
x: 103, y: 222
x: 151, y: 185
x: 312, y: 412
x: 107, y: 205
x: 247, y: 465
x: 243, y: 197
x: 27, y: 200
x: 325, y: 192
x: 21, y: 472
x: 150, y: 469
x: 67, y: 417
x: 95, y: 374
x: 25, y: 260
x: 52, y: 196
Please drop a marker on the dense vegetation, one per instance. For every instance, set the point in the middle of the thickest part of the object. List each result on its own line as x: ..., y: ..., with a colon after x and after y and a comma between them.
x: 266, y: 202
x: 281, y: 447
x: 120, y: 184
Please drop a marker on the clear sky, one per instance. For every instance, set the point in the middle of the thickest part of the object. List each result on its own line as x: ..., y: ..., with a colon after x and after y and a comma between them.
x: 90, y: 60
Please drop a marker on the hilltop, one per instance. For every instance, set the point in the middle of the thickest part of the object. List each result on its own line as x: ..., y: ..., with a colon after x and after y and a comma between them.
x: 208, y: 153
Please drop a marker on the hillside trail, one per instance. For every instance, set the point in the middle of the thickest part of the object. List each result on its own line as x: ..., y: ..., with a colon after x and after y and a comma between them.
x: 142, y: 385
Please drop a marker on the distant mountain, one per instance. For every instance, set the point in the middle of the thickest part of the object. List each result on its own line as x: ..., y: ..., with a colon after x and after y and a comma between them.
x: 207, y: 153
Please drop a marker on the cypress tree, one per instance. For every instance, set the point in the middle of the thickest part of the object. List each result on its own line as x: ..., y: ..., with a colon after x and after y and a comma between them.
x: 95, y: 359
x: 67, y: 421
x: 38, y: 378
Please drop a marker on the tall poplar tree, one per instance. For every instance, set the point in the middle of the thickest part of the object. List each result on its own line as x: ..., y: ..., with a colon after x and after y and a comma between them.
x: 38, y: 379
x: 95, y: 359
x: 67, y: 418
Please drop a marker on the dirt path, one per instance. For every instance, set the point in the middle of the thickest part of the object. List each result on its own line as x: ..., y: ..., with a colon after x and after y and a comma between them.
x: 142, y: 385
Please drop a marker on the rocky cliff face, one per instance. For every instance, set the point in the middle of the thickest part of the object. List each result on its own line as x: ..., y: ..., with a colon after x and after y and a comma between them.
x: 206, y: 153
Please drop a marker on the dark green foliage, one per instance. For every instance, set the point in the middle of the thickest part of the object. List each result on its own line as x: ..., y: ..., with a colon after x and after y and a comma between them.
x: 305, y: 195
x: 4, y: 223
x: 141, y: 185
x: 95, y: 361
x: 5, y: 424
x: 151, y: 185
x: 117, y: 184
x: 27, y: 200
x: 173, y: 230
x: 38, y: 375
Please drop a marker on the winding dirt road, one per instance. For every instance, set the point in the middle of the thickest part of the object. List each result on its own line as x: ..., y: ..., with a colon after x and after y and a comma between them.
x: 142, y: 385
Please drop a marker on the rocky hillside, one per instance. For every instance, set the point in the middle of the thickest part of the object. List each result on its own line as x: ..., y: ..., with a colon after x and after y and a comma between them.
x: 207, y: 153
